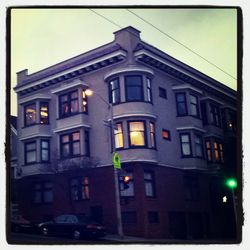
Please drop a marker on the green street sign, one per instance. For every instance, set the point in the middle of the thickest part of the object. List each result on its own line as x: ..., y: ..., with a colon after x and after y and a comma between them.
x: 116, y: 161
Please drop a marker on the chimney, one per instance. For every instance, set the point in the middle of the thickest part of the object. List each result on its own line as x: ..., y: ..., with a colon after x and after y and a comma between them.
x: 21, y: 75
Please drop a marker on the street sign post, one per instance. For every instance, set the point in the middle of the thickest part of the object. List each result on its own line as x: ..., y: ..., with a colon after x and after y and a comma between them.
x: 116, y: 161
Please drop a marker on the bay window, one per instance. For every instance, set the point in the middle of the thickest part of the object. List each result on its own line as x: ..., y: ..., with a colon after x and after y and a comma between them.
x: 198, y: 146
x: 134, y: 88
x: 118, y: 134
x: 45, y: 151
x: 181, y: 104
x: 30, y: 152
x: 114, y: 91
x: 185, y: 145
x: 152, y: 134
x: 44, y: 113
x: 215, y: 115
x: 70, y: 144
x: 69, y: 104
x: 30, y: 114
x: 194, y: 106
x: 137, y: 133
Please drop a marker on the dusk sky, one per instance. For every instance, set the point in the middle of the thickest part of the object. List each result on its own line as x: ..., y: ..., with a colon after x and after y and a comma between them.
x: 43, y: 37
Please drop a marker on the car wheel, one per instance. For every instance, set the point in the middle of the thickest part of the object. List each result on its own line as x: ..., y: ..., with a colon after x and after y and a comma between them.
x: 45, y: 231
x: 76, y: 234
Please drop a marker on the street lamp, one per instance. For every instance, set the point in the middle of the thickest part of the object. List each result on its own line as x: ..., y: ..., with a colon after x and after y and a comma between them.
x: 90, y: 92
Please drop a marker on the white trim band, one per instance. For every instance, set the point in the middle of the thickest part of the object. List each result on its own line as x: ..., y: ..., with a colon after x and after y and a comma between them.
x: 58, y: 130
x: 191, y: 128
x: 69, y: 85
x: 34, y: 136
x: 34, y: 97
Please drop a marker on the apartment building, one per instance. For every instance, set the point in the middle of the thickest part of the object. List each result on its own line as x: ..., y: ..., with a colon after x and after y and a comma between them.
x: 175, y: 131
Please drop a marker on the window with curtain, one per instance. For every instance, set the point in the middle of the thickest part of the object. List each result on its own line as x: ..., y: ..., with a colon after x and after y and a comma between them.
x: 79, y: 188
x: 69, y: 104
x: 137, y: 133
x: 30, y: 114
x: 185, y: 145
x: 118, y: 134
x: 70, y: 144
x: 194, y: 106
x: 45, y: 149
x: 44, y: 113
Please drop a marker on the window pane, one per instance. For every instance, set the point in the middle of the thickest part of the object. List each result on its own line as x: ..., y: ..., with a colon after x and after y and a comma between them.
x: 65, y: 138
x: 31, y: 146
x: 45, y: 155
x: 31, y: 156
x: 186, y: 149
x: 30, y: 114
x: 193, y: 99
x: 180, y: 97
x: 134, y: 88
x: 185, y: 138
x: 136, y: 126
x: 74, y: 106
x: 74, y: 95
x: 76, y: 136
x: 44, y: 113
x: 149, y: 189
x: 65, y: 150
x: 37, y: 197
x: 76, y: 148
x: 45, y: 144
x: 48, y: 196
x: 137, y: 138
x: 147, y: 176
x: 181, y: 108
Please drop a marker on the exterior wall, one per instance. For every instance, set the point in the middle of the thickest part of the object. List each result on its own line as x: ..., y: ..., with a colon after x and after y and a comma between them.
x: 166, y: 160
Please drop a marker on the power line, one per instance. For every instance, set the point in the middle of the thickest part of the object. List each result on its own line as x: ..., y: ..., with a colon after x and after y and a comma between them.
x: 186, y: 47
x: 117, y: 25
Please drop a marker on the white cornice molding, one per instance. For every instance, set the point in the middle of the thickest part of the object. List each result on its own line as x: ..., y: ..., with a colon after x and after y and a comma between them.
x: 58, y: 130
x: 128, y: 115
x: 129, y: 69
x: 191, y: 128
x: 187, y: 86
x: 84, y: 65
x: 34, y: 97
x: 34, y: 136
x: 69, y: 85
x: 142, y: 52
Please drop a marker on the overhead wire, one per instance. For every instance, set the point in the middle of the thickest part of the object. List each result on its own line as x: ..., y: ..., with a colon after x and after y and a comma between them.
x: 167, y: 35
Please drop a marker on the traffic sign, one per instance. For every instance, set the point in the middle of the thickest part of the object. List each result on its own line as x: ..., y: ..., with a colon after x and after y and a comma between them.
x: 116, y: 161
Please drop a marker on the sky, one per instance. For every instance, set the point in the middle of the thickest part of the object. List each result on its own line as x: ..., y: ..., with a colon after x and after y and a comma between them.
x: 43, y: 37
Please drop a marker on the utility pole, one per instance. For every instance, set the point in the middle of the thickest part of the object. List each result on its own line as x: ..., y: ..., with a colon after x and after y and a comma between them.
x: 90, y: 92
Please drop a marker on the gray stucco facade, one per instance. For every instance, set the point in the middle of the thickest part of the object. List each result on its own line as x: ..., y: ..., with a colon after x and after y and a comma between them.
x: 195, y: 139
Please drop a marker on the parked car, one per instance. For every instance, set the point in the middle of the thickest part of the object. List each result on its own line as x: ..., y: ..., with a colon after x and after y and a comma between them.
x: 20, y: 224
x: 76, y: 226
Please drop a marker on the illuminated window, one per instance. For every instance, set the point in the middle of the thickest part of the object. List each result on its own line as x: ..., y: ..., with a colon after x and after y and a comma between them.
x: 152, y: 135
x: 30, y: 114
x: 194, y: 108
x: 70, y: 144
x: 209, y: 150
x: 84, y: 102
x: 44, y: 113
x: 198, y: 146
x: 166, y: 134
x: 45, y: 150
x: 218, y: 152
x: 69, y: 104
x: 114, y: 91
x: 181, y: 104
x: 185, y: 145
x: 149, y: 90
x: 79, y: 188
x: 118, y: 133
x: 134, y: 88
x: 149, y: 184
x: 30, y: 152
x: 136, y: 134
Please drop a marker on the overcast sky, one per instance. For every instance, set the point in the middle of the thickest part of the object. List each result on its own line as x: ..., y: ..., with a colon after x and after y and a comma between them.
x: 43, y: 37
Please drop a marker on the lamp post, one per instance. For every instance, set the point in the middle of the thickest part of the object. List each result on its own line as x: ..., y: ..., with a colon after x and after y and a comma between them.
x: 90, y: 92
